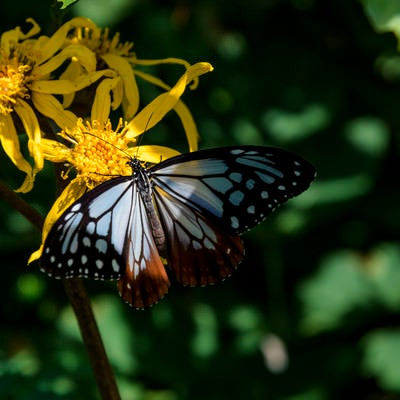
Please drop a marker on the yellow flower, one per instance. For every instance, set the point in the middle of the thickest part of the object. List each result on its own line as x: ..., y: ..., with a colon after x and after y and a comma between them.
x: 26, y: 86
x: 122, y: 89
x: 99, y: 152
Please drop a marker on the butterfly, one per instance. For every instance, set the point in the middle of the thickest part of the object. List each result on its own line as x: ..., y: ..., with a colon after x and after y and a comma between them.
x: 186, y: 212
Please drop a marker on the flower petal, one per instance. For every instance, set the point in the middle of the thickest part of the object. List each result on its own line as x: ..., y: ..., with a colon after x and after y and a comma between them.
x: 180, y: 108
x: 9, y: 38
x: 50, y: 107
x: 66, y: 86
x: 57, y: 40
x: 156, y: 110
x: 170, y: 60
x: 32, y: 129
x: 75, y: 189
x: 152, y: 154
x: 10, y: 143
x: 71, y: 73
x: 55, y: 151
x: 80, y: 53
x: 131, y: 90
x: 102, y: 100
x: 189, y: 125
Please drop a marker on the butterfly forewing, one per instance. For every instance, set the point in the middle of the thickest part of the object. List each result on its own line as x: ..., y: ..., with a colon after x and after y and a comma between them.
x: 106, y: 235
x: 84, y: 242
x: 237, y: 187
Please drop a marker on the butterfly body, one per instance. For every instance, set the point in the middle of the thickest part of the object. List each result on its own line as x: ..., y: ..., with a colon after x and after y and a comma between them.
x: 187, y: 211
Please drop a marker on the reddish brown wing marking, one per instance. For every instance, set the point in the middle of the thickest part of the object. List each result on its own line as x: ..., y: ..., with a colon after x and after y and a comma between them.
x: 199, y: 252
x: 145, y: 280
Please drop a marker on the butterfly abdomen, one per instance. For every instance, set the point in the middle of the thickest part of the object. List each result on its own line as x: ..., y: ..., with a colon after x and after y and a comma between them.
x: 142, y: 179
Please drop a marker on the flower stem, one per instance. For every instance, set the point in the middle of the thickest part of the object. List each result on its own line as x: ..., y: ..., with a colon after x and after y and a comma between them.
x: 81, y: 305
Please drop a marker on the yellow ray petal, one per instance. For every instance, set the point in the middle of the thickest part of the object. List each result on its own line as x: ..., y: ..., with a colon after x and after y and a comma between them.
x: 71, y: 193
x: 180, y: 108
x: 80, y: 53
x: 10, y: 143
x: 50, y: 107
x: 57, y: 40
x: 102, y: 100
x: 55, y: 151
x: 9, y: 38
x: 152, y: 154
x: 32, y: 129
x: 162, y: 104
x: 71, y: 73
x: 189, y: 125
x: 66, y: 86
x: 131, y: 90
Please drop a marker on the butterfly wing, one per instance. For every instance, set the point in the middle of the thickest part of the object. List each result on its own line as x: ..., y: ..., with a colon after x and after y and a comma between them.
x: 236, y: 187
x: 199, y: 252
x: 106, y: 235
x: 207, y: 198
x: 145, y: 280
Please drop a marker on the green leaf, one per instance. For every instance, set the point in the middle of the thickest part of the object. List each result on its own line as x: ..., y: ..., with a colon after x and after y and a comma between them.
x: 65, y: 4
x: 384, y: 15
x: 384, y: 273
x: 346, y: 281
x: 288, y: 126
x: 381, y: 357
x: 338, y: 287
x: 369, y: 135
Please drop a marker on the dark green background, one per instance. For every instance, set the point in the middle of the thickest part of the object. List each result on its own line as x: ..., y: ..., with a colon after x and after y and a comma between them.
x: 321, y: 279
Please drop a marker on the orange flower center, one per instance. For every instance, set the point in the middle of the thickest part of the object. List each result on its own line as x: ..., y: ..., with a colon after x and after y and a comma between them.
x: 13, y: 81
x: 98, y: 152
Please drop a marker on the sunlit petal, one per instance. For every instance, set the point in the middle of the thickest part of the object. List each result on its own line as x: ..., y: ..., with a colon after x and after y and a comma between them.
x: 56, y: 41
x: 50, y: 107
x: 156, y: 110
x: 188, y: 123
x: 75, y: 189
x: 131, y: 91
x: 10, y: 143
x: 55, y: 151
x: 65, y: 86
x: 32, y: 129
x: 152, y: 154
x: 71, y: 73
x: 102, y: 101
x: 80, y: 53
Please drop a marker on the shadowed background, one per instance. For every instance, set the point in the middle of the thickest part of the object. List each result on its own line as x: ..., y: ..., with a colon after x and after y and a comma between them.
x: 313, y: 313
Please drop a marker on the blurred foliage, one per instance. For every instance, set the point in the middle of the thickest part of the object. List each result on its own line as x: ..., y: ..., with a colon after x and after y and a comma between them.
x: 313, y: 313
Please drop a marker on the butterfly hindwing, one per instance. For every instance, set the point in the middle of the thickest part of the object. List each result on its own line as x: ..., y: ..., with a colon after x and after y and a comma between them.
x: 199, y: 253
x: 145, y: 280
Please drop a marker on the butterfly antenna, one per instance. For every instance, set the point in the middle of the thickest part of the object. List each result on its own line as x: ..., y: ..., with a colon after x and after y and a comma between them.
x: 140, y: 139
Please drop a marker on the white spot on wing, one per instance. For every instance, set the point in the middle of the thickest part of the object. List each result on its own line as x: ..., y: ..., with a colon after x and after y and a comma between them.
x: 236, y: 197
x: 219, y: 184
x: 76, y: 207
x: 101, y: 245
x: 234, y: 222
x: 115, y: 265
x: 90, y: 227
x: 251, y: 210
x: 236, y: 177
